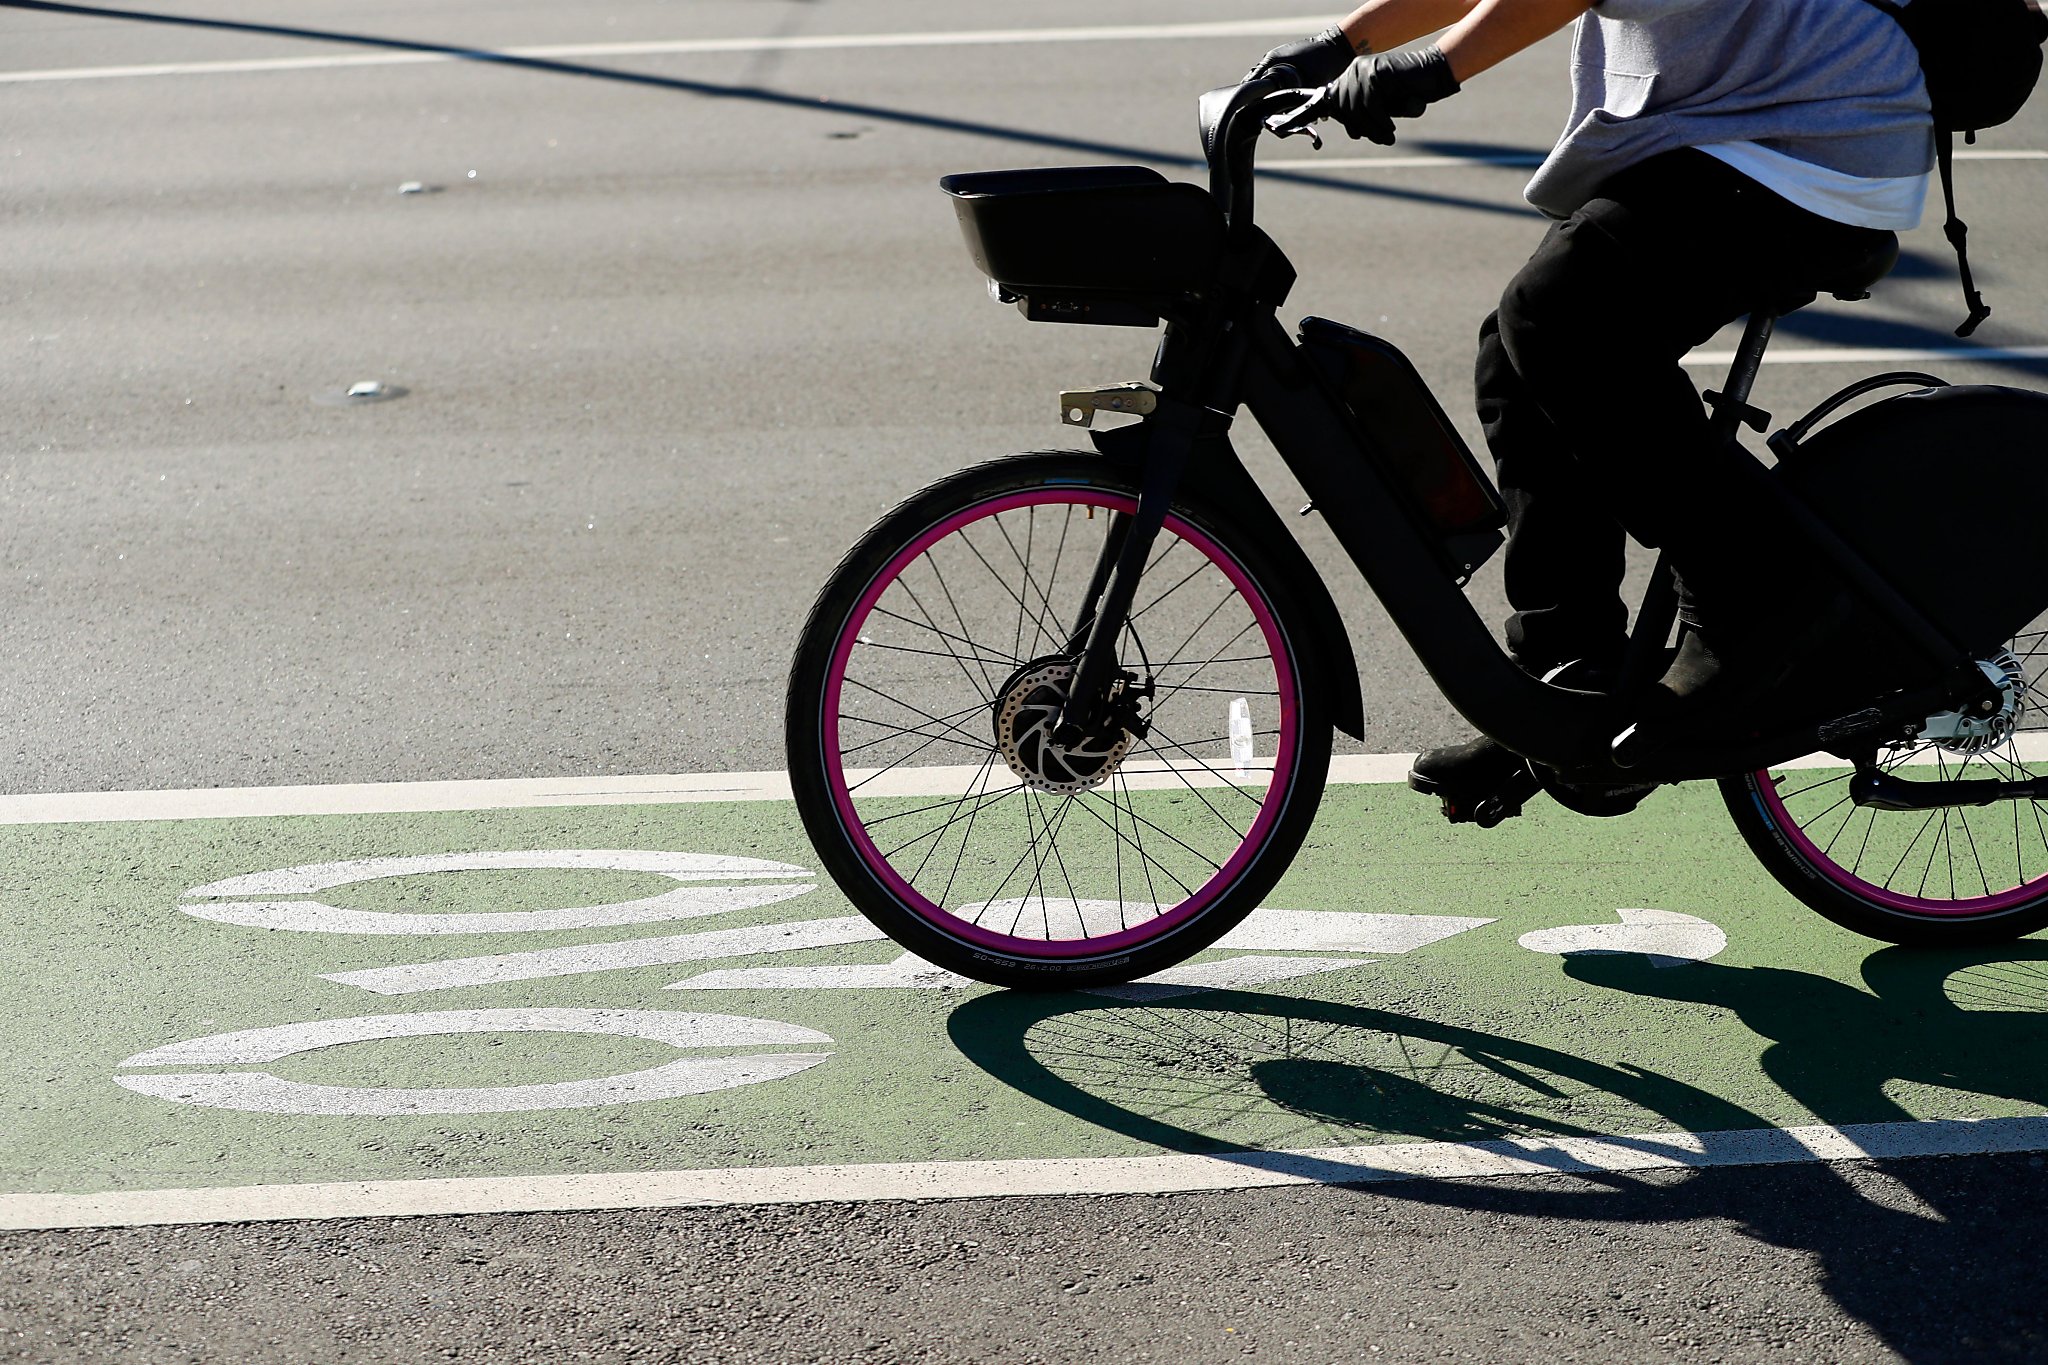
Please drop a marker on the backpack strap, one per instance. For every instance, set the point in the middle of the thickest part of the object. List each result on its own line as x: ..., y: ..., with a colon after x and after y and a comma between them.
x: 1957, y: 231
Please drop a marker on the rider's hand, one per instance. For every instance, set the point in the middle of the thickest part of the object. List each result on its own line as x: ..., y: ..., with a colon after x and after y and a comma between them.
x: 1315, y: 61
x: 1372, y: 94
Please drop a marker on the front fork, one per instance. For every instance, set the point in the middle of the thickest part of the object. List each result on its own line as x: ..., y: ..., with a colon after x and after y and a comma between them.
x: 1206, y: 360
x: 1113, y: 587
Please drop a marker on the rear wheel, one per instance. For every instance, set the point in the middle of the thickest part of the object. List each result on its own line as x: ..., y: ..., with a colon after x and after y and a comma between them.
x: 1958, y: 875
x: 920, y: 719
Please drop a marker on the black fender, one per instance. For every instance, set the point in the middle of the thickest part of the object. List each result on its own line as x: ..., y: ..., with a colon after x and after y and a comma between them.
x: 1942, y: 492
x: 1218, y: 476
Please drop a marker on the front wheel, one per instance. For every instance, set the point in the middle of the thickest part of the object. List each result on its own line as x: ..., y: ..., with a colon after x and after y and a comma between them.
x: 920, y: 717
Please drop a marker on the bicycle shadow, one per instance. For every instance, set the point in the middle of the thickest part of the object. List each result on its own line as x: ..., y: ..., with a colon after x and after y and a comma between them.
x: 1940, y: 1273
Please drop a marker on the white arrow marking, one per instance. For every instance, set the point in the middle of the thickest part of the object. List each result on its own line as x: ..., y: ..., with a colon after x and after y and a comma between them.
x: 1666, y: 937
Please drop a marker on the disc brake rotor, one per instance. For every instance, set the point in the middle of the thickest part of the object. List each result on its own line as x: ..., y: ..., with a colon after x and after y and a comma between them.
x: 1026, y: 713
x: 1968, y: 733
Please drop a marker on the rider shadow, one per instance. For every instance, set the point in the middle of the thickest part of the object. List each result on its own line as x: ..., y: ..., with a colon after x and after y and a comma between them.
x: 1947, y: 1272
x: 1968, y: 1020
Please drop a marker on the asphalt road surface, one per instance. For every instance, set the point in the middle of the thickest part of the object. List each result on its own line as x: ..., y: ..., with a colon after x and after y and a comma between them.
x: 670, y: 328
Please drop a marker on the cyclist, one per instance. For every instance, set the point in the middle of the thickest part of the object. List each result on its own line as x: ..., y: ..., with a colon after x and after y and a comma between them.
x: 1720, y: 154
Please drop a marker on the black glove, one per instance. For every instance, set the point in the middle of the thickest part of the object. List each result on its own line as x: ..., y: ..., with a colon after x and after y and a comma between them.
x: 1316, y: 61
x: 1371, y: 95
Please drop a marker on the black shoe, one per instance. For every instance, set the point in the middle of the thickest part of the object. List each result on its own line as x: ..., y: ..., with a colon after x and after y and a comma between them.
x: 1479, y: 782
x: 1728, y: 684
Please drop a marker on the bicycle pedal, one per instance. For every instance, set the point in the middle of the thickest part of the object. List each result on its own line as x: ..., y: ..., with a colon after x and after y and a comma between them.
x: 1494, y: 810
x: 1486, y: 811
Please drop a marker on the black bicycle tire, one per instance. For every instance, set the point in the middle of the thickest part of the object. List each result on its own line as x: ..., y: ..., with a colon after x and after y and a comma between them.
x: 1794, y: 871
x: 805, y: 739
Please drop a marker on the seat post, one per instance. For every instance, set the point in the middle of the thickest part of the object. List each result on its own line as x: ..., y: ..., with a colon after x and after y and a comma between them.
x: 1732, y: 409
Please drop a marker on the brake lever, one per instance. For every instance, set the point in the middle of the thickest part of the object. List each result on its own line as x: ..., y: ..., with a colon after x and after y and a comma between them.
x: 1302, y: 118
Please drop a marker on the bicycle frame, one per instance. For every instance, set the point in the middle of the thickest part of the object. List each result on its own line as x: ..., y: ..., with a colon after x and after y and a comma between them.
x: 1226, y: 350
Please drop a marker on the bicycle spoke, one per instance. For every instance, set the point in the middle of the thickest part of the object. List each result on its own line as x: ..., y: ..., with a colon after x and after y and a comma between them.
x: 899, y: 731
x: 1228, y: 785
x: 981, y: 804
x: 959, y: 620
x: 1181, y: 687
x: 880, y: 610
x: 1139, y: 848
x: 946, y: 896
x: 977, y: 683
x: 1193, y: 574
x: 952, y: 818
x: 1897, y: 867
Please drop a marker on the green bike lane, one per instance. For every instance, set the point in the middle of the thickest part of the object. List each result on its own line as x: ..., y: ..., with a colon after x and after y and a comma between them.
x: 622, y: 994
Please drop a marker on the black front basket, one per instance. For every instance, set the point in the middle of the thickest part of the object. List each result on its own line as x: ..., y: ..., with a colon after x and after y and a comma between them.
x: 1116, y: 230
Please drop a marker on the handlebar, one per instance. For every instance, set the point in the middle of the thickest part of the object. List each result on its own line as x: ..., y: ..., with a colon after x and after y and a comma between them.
x: 1232, y: 118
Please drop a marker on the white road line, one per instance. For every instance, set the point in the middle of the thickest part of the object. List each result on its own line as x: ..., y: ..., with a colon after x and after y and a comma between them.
x: 401, y: 798
x: 930, y: 1180
x: 405, y: 798
x: 841, y: 42
x: 1933, y: 355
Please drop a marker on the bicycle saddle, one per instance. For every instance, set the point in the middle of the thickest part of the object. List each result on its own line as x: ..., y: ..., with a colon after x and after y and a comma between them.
x: 1853, y: 278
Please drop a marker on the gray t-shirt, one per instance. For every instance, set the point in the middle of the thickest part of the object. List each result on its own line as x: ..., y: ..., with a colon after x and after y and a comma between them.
x: 1835, y: 83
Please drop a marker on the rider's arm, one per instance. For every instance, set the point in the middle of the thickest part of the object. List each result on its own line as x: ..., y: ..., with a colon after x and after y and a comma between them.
x: 1383, y: 25
x: 1494, y: 30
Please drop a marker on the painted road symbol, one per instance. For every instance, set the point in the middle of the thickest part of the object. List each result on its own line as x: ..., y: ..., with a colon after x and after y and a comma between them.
x: 1398, y: 932
x: 261, y: 1092
x: 1667, y: 938
x: 307, y: 916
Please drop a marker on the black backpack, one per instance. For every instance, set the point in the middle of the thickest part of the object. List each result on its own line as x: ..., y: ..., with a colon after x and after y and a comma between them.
x: 1981, y: 59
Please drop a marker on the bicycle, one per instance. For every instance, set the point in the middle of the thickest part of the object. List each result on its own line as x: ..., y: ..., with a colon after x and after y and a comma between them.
x: 1063, y: 718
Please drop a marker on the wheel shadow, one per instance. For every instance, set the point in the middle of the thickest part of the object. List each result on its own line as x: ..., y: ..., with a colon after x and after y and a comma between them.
x: 1941, y: 1260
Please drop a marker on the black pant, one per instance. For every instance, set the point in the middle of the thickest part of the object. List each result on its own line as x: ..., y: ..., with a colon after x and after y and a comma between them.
x: 1594, y: 426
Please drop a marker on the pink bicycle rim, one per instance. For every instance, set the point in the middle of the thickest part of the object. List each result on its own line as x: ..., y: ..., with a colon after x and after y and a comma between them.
x: 1774, y: 808
x: 1160, y: 926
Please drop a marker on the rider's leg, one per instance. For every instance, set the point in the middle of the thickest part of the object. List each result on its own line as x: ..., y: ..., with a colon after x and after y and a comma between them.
x: 1596, y: 326
x: 1584, y: 355
x: 1564, y: 559
x: 1562, y: 569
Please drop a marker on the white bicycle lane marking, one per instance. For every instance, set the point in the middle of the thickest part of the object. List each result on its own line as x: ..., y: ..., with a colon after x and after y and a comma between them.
x: 931, y: 1180
x: 260, y: 1092
x: 1279, y: 935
